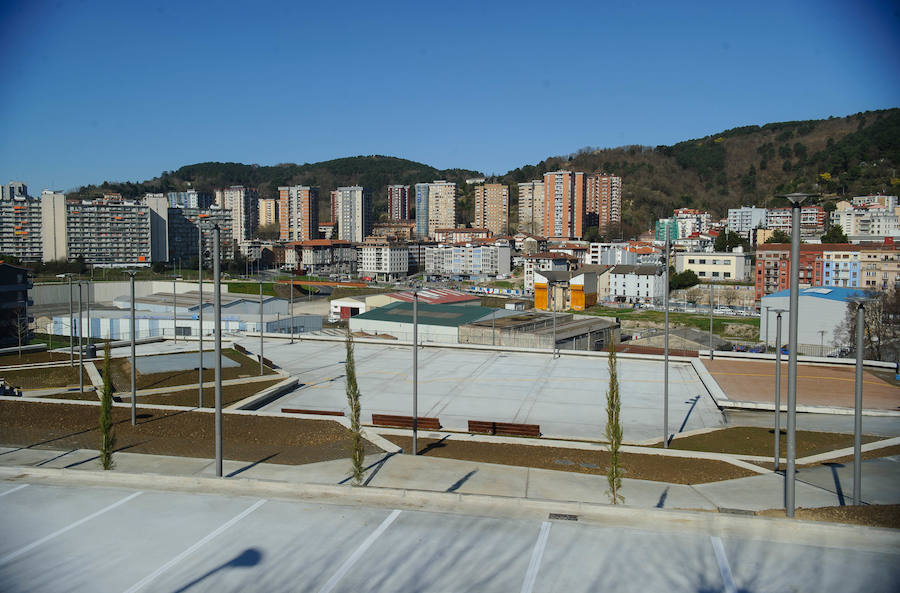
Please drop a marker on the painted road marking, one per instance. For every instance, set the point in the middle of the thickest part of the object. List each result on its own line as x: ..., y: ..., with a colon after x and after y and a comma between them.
x: 209, y: 537
x: 357, y: 554
x: 816, y: 378
x: 11, y: 490
x: 13, y: 555
x: 724, y: 568
x: 535, y: 564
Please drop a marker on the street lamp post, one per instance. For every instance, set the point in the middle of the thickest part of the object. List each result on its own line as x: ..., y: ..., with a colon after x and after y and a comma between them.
x: 80, y: 346
x: 88, y: 305
x: 711, y: 288
x: 217, y: 306
x: 292, y: 310
x: 415, y: 348
x: 777, y: 383
x: 857, y: 401
x: 71, y: 320
x: 200, y: 313
x: 796, y: 200
x: 260, y: 328
x: 666, y: 345
x: 131, y: 273
x: 174, y: 312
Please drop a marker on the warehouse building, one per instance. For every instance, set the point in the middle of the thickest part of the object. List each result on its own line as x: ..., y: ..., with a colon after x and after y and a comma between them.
x: 437, y: 323
x: 536, y: 329
x: 822, y: 309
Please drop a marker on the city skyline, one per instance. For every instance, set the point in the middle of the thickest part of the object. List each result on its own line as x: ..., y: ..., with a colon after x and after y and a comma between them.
x: 82, y: 113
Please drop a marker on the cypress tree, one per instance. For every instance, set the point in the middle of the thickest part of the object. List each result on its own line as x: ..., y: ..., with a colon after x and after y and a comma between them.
x: 107, y: 434
x: 357, y: 452
x: 614, y: 431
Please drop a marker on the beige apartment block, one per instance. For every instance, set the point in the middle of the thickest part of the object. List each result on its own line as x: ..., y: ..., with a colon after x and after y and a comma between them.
x: 604, y: 198
x: 268, y: 211
x: 492, y: 207
x: 531, y: 207
x: 298, y: 213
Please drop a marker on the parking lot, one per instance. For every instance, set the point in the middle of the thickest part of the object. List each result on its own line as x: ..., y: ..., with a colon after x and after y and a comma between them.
x: 79, y: 538
x: 566, y: 396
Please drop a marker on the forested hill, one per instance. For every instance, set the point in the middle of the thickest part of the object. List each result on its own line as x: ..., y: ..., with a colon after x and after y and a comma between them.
x: 851, y: 155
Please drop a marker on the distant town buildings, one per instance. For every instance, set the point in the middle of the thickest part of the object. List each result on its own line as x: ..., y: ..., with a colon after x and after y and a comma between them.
x: 268, y: 211
x: 435, y: 207
x: 383, y: 259
x: 564, y: 204
x: 716, y: 267
x: 531, y: 207
x: 353, y: 214
x: 746, y: 219
x: 242, y: 202
x: 20, y: 223
x: 468, y: 261
x: 185, y: 223
x: 189, y: 199
x: 298, y: 213
x: 460, y: 235
x: 492, y: 207
x: 398, y: 202
x: 604, y: 200
x: 812, y: 220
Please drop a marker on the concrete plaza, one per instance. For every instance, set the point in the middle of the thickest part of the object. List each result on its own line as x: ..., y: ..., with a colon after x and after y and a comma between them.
x: 566, y: 396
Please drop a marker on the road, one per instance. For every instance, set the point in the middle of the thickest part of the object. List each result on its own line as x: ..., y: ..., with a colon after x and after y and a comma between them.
x: 79, y: 538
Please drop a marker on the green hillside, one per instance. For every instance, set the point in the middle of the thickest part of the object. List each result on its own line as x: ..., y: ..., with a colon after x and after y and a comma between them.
x: 850, y: 155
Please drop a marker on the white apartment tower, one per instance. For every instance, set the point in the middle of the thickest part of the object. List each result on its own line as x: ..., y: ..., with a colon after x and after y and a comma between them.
x: 242, y: 202
x: 353, y: 212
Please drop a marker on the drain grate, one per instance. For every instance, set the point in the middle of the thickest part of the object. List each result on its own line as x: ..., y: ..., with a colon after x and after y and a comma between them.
x: 563, y: 517
x: 735, y: 511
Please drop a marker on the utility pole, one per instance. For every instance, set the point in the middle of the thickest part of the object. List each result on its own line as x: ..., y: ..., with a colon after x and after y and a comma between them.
x: 80, y: 346
x: 666, y: 344
x: 292, y: 309
x: 857, y: 400
x: 174, y: 312
x: 711, y: 288
x: 777, y: 386
x: 217, y: 306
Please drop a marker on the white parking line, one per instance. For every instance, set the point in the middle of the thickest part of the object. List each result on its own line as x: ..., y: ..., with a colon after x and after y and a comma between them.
x: 11, y: 490
x: 724, y: 569
x: 535, y: 564
x: 348, y: 564
x: 156, y: 573
x: 13, y: 555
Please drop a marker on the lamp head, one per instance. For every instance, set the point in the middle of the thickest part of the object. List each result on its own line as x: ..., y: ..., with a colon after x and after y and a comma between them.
x: 797, y: 198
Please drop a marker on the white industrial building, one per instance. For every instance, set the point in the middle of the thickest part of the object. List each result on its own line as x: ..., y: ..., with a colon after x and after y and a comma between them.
x: 636, y: 284
x: 384, y: 260
x: 437, y: 323
x: 822, y: 310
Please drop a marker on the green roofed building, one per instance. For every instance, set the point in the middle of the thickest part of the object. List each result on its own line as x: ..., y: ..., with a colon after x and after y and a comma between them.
x: 437, y: 323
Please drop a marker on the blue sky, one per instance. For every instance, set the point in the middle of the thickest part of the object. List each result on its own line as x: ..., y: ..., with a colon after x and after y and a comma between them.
x: 97, y: 91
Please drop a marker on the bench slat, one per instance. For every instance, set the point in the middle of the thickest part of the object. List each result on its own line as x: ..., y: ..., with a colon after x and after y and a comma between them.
x: 504, y: 428
x: 405, y: 421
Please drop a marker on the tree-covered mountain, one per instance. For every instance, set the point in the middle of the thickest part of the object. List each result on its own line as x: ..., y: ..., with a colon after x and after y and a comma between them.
x: 852, y: 155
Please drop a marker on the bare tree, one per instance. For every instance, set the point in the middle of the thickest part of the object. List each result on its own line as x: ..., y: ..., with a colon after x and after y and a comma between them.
x: 23, y: 331
x: 881, y: 338
x: 107, y: 434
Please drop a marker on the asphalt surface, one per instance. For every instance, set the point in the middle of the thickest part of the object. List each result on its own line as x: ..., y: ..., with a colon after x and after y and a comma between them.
x: 566, y: 396
x: 80, y: 538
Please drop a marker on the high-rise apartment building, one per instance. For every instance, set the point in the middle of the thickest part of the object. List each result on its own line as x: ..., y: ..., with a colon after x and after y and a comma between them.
x: 268, y: 211
x: 398, y: 202
x: 564, y: 204
x: 435, y: 207
x: 531, y: 207
x: 812, y: 220
x: 492, y: 208
x: 20, y: 224
x: 298, y: 212
x: 745, y: 219
x: 242, y: 202
x: 353, y: 213
x: 604, y: 198
x: 183, y: 226
x: 334, y: 200
x: 189, y: 199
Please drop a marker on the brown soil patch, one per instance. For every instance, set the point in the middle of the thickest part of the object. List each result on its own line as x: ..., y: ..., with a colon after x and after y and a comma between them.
x: 817, y: 385
x: 755, y: 440
x: 121, y: 372
x: 875, y: 515
x: 876, y: 454
x: 35, y: 357
x: 288, y: 441
x: 674, y: 470
x: 184, y: 397
x: 44, y: 378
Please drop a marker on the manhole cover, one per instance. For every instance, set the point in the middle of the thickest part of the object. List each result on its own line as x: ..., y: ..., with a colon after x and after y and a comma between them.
x: 563, y: 517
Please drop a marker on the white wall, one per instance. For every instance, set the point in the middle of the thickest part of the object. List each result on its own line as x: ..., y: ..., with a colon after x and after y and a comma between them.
x: 106, y: 292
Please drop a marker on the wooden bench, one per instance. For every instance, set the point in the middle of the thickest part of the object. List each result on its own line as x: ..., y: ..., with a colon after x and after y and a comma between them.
x: 405, y: 422
x: 505, y: 428
x: 319, y: 412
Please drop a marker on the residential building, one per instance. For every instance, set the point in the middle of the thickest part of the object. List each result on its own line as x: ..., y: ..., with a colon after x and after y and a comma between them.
x: 298, y: 213
x: 879, y: 265
x: 435, y: 207
x: 398, y: 202
x: 565, y: 290
x: 577, y: 250
x: 190, y: 199
x: 417, y: 251
x: 326, y: 230
x: 15, y: 319
x: 353, y: 213
x: 529, y: 244
x: 531, y: 207
x: 460, y: 235
x: 773, y: 270
x: 564, y: 204
x: 242, y: 202
x: 734, y: 266
x: 323, y: 257
x: 20, y: 224
x: 745, y: 219
x: 664, y: 224
x: 402, y: 230
x: 610, y: 254
x: 604, y: 199
x: 867, y: 221
x: 492, y: 207
x: 637, y: 284
x: 333, y: 197
x: 268, y: 211
x: 469, y: 260
x: 546, y: 262
x: 841, y: 265
x: 383, y: 259
x: 691, y: 222
x: 183, y: 225
x: 889, y: 202
x: 812, y: 220
x: 111, y: 231
x: 53, y: 226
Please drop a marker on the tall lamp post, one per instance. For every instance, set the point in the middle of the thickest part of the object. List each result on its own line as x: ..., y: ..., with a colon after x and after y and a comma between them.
x: 131, y: 274
x: 261, y: 327
x: 711, y: 288
x: 666, y: 344
x: 415, y: 349
x: 857, y: 400
x: 200, y: 313
x: 80, y: 346
x: 71, y: 319
x: 796, y: 200
x: 217, y: 306
x: 292, y: 309
x: 777, y: 382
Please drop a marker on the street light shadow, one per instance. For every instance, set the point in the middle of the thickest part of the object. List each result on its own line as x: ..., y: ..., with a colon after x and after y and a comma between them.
x: 837, y: 482
x: 247, y: 558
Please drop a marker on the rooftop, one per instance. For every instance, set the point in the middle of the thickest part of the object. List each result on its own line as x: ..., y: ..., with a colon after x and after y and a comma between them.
x: 821, y: 292
x: 445, y: 315
x: 436, y: 296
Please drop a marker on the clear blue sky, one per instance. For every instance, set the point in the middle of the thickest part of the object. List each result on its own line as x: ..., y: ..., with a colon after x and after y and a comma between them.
x: 97, y: 91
